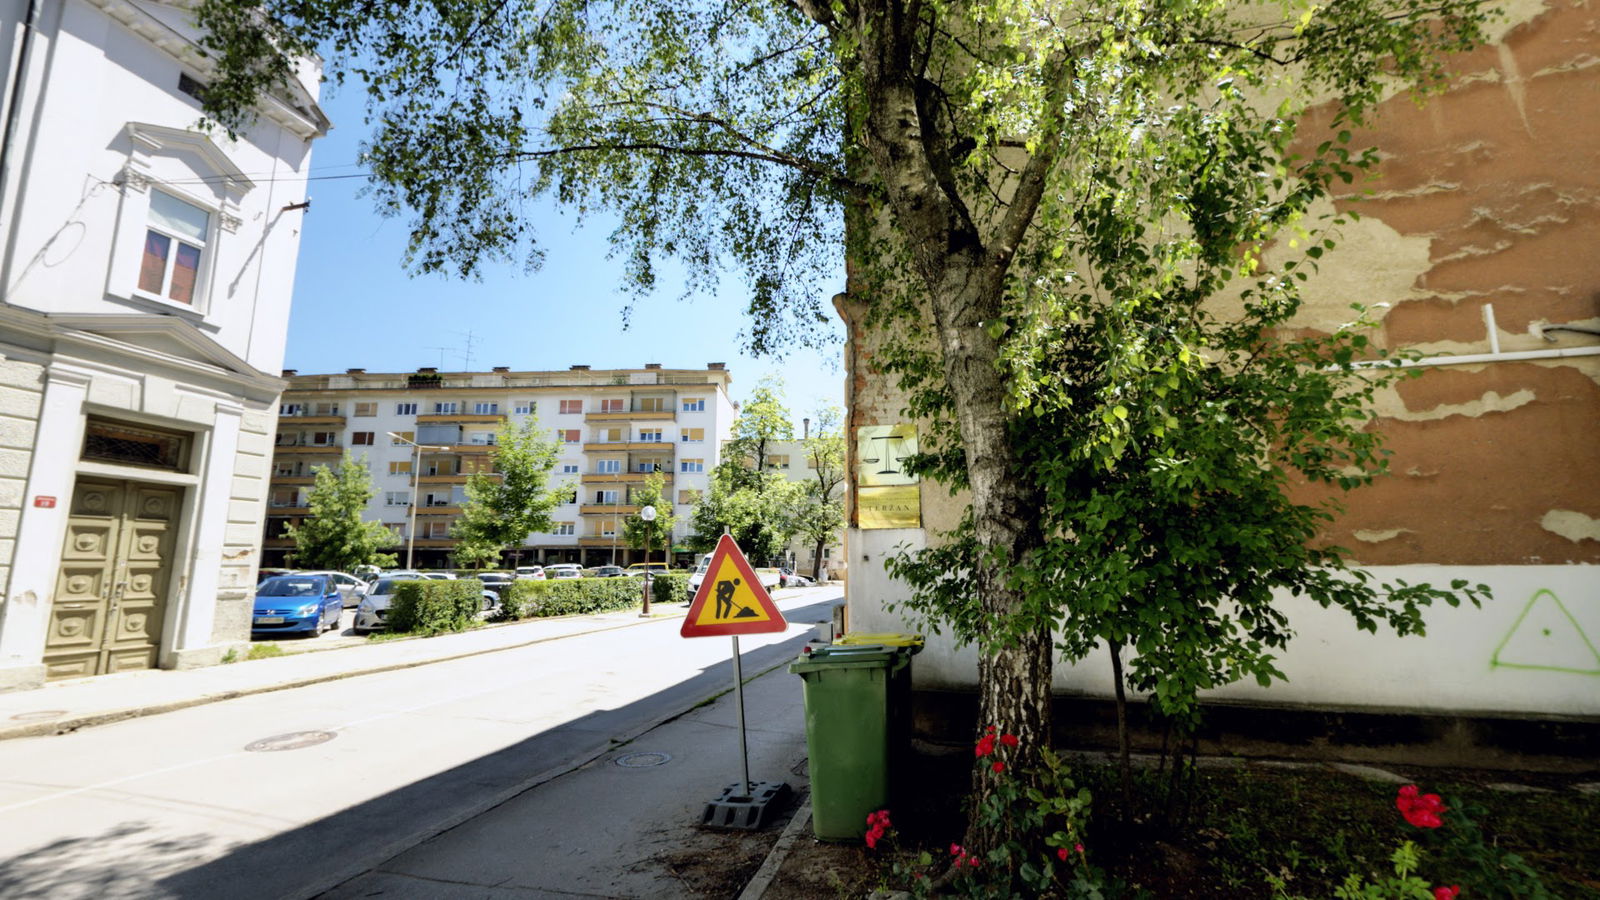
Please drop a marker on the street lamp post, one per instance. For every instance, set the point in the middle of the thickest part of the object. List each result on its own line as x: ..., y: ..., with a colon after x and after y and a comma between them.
x: 648, y: 514
x: 416, y: 464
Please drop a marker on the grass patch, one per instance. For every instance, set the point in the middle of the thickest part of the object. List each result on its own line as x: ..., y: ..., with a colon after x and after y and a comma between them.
x: 264, y: 651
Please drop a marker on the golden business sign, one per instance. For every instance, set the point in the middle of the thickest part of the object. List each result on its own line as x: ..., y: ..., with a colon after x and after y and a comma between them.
x: 886, y: 495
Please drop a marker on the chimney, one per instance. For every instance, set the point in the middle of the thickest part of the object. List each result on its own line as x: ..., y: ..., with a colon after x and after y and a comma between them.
x: 652, y: 365
x: 717, y: 366
x: 502, y: 369
x: 355, y: 371
x: 579, y: 368
x: 289, y: 373
x: 806, y: 424
x: 427, y: 370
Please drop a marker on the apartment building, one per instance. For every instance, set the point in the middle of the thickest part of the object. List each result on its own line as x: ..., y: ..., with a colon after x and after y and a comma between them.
x: 615, y: 427
x: 146, y: 269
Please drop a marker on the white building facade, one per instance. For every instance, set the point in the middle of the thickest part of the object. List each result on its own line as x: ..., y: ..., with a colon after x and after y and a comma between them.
x: 615, y: 428
x: 146, y: 269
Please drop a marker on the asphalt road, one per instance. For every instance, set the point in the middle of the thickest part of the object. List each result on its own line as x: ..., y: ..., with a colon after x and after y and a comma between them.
x: 177, y: 806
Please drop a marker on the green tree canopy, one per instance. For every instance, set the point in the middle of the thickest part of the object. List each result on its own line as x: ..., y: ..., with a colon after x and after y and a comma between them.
x: 335, y: 536
x: 656, y: 534
x: 818, y: 516
x: 513, y: 501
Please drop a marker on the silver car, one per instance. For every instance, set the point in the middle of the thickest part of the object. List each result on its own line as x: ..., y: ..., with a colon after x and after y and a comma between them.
x: 373, y: 613
x: 351, y: 588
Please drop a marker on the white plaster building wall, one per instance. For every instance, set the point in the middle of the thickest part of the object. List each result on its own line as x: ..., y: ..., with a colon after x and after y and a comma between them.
x: 21, y: 392
x: 1530, y: 650
x: 82, y: 190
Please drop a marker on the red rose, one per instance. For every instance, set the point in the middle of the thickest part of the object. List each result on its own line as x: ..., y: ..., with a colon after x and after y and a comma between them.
x: 1078, y: 847
x: 1420, y: 810
x: 985, y: 746
x: 955, y: 849
x: 1446, y: 893
x: 1010, y: 740
x: 998, y: 766
x: 1061, y: 854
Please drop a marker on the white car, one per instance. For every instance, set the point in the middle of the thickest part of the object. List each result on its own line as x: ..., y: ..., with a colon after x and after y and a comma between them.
x: 351, y: 588
x: 563, y: 570
x: 769, y: 577
x: 535, y: 573
x: 373, y: 612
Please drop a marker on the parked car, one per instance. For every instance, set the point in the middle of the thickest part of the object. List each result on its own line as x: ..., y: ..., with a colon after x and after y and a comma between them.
x: 440, y: 576
x: 351, y: 588
x: 769, y: 577
x: 564, y: 570
x: 534, y: 572
x: 296, y: 604
x: 790, y: 578
x: 374, y: 610
x: 495, y: 582
x: 656, y: 568
x: 272, y: 573
x: 609, y: 572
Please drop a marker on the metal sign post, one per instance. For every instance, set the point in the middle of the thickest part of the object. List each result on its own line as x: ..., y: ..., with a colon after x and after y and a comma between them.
x: 738, y: 699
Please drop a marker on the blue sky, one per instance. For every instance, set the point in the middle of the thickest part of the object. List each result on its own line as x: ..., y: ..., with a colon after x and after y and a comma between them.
x: 355, y: 305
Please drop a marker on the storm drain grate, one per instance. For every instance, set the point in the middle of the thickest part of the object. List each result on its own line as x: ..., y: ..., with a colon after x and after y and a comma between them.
x: 294, y: 740
x: 643, y: 760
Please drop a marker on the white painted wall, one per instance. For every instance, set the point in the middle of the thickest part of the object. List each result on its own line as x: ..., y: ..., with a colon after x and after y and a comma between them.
x: 1530, y: 650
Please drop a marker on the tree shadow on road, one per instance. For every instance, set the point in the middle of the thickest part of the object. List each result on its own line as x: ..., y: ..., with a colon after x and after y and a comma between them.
x: 72, y: 868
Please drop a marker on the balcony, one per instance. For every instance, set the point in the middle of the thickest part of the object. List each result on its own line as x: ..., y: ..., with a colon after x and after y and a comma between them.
x: 595, y: 540
x: 310, y: 419
x: 461, y: 419
x: 307, y: 448
x: 607, y: 509
x: 294, y: 479
x: 438, y: 511
x: 665, y: 447
x: 434, y: 542
x: 455, y: 478
x: 623, y: 477
x: 276, y: 510
x: 472, y: 448
x: 662, y: 415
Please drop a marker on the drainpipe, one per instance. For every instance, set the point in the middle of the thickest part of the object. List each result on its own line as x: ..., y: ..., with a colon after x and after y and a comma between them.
x: 8, y: 138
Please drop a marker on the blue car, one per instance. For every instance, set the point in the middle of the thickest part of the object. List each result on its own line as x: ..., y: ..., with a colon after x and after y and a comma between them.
x: 296, y: 604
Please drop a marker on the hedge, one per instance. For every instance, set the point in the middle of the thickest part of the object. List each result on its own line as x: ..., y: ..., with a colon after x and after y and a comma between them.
x: 526, y: 598
x: 672, y: 587
x: 427, y: 606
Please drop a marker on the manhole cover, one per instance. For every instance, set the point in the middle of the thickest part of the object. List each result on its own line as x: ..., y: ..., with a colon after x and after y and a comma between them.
x: 643, y: 760
x: 294, y: 740
x: 39, y: 715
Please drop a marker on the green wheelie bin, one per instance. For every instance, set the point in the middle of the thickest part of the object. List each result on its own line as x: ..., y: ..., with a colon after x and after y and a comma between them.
x: 857, y: 704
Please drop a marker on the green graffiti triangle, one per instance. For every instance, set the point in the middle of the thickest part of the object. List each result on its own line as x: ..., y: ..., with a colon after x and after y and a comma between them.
x: 1546, y: 637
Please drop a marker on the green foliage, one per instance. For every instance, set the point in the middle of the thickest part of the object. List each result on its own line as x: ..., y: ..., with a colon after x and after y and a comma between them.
x: 264, y: 651
x: 817, y: 515
x: 669, y: 587
x: 763, y: 420
x: 427, y: 607
x: 756, y: 505
x: 527, y: 599
x: 505, y: 506
x: 334, y: 536
x: 655, y: 534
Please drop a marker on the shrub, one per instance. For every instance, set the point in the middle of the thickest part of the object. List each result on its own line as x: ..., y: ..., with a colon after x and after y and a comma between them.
x: 565, y: 597
x: 670, y: 588
x: 433, y: 607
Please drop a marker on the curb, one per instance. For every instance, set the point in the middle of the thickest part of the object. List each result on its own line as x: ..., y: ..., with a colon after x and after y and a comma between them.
x: 88, y: 720
x: 759, y: 882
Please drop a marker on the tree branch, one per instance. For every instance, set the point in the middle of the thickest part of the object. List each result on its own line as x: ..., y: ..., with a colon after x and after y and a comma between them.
x: 1030, y: 184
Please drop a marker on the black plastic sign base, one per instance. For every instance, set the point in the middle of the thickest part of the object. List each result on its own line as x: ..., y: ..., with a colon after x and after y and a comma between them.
x: 747, y: 810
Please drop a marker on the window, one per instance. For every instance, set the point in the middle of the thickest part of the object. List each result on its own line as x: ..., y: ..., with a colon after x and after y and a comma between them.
x: 523, y: 408
x: 611, y: 435
x: 569, y: 468
x: 691, y: 466
x: 811, y: 461
x: 650, y: 435
x: 361, y: 438
x: 608, y: 528
x: 289, y: 409
x: 777, y: 460
x: 570, y: 435
x: 174, y: 241
x: 605, y: 497
x: 694, y: 404
x: 571, y: 407
x: 324, y: 438
x: 572, y: 498
x: 365, y: 410
x: 438, y: 467
x: 286, y: 469
x: 405, y: 409
x: 445, y: 408
x: 286, y: 497
x: 692, y: 435
x: 400, y: 467
x: 327, y: 409
x: 399, y: 438
x: 612, y: 404
x: 287, y: 439
x: 432, y: 499
x: 482, y: 438
x: 652, y: 404
x: 397, y: 498
x: 609, y: 466
x: 564, y: 528
x: 688, y: 497
x: 654, y: 464
x: 398, y: 529
x: 486, y: 409
x: 438, y: 530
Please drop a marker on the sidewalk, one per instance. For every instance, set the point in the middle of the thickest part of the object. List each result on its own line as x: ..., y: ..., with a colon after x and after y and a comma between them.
x: 61, y: 707
x: 626, y: 824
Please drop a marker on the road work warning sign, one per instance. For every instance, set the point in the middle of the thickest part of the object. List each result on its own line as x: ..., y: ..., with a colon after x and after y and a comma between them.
x: 731, y: 599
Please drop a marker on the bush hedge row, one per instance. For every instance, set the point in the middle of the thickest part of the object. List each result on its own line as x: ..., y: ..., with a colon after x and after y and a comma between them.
x: 672, y: 587
x: 426, y: 606
x: 528, y: 599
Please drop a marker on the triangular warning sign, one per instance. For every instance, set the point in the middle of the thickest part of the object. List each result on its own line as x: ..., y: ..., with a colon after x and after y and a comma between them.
x: 731, y: 599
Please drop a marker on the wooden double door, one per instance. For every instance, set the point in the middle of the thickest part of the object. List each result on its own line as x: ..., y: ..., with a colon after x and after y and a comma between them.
x: 116, y: 565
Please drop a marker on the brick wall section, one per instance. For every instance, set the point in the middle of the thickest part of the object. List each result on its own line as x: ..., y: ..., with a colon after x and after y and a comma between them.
x: 21, y: 392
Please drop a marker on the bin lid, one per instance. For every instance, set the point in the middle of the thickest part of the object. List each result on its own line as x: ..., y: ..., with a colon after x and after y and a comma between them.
x: 837, y: 656
x: 882, y: 639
